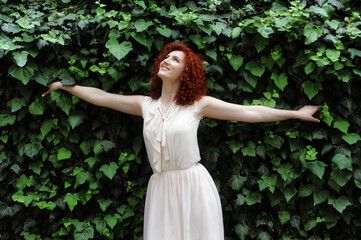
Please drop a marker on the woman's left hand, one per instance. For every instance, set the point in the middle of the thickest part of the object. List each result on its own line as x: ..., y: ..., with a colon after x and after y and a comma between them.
x: 306, y: 113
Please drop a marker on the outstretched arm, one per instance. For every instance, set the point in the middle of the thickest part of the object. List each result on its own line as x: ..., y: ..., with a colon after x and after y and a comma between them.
x: 214, y: 108
x: 126, y: 104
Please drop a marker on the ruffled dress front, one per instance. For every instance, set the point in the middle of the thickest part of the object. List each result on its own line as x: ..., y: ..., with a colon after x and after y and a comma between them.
x: 182, y: 201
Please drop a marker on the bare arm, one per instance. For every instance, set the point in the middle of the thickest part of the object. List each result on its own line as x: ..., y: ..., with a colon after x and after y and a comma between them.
x: 218, y: 109
x: 126, y: 104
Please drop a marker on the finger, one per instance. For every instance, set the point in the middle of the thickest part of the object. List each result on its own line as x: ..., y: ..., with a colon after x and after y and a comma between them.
x: 315, y: 120
x: 46, y: 93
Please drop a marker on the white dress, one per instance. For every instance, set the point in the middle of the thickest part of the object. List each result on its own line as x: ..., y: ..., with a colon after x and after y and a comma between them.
x: 182, y: 201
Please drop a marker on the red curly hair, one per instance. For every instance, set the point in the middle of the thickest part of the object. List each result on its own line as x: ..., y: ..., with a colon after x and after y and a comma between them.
x: 193, y: 83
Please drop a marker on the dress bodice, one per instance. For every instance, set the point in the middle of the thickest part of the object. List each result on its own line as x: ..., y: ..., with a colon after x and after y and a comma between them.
x: 170, y: 138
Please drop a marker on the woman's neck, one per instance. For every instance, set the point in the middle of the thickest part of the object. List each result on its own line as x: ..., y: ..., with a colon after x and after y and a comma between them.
x: 169, y: 92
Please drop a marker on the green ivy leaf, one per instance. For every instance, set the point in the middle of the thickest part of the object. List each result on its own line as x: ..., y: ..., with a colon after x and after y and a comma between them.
x: 296, y: 222
x: 217, y: 28
x: 24, y: 74
x: 142, y: 25
x: 310, y: 224
x: 16, y: 104
x: 91, y: 161
x: 260, y: 43
x: 7, y: 119
x: 38, y: 107
x: 320, y: 197
x: 310, y: 67
x: 311, y: 89
x: 255, y: 67
x: 11, y: 28
x: 284, y: 170
x: 284, y: 216
x: 111, y: 220
x: 252, y: 197
x: 340, y: 204
x: 280, y: 80
x: 212, y: 54
x: 107, y: 145
x: 71, y: 200
x: 250, y: 79
x: 242, y: 231
x: 104, y: 204
x: 305, y: 190
x: 100, y: 224
x: 76, y: 119
x: 62, y: 101
x: 83, y: 231
x: 268, y: 182
x: 341, y: 125
x: 85, y: 148
x: 354, y: 52
x: 63, y: 153
x: 196, y: 39
x: 119, y: 50
x: 81, y: 178
x: 236, y: 32
x: 317, y: 168
x: 236, y: 61
x: 21, y: 58
x: 32, y: 149
x: 137, y: 144
x: 341, y: 177
x: 8, y: 211
x: 250, y: 150
x: 311, y: 34
x: 320, y: 11
x: 109, y: 170
x: 25, y: 23
x: 46, y: 127
x: 289, y: 193
x: 36, y: 167
x: 325, y: 115
x: 166, y: 32
x: 265, y: 31
x: 276, y: 141
x: 236, y: 182
x: 206, y: 28
x: 351, y: 138
x: 234, y: 145
x: 240, y: 200
x: 342, y: 161
x: 333, y: 24
x: 333, y: 55
x: 143, y: 39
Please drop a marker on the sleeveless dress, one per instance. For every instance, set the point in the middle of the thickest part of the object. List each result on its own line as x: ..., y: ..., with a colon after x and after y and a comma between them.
x: 182, y: 201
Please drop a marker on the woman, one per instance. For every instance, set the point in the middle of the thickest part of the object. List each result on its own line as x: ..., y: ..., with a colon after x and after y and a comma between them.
x: 182, y: 201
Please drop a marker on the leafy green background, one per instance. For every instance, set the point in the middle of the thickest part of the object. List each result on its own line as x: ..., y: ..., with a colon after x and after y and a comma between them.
x: 72, y: 170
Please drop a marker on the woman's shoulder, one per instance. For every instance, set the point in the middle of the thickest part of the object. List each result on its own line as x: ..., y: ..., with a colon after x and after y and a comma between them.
x: 148, y: 102
x: 204, y: 101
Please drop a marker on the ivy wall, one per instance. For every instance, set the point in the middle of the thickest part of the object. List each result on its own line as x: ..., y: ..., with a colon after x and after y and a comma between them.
x: 70, y: 170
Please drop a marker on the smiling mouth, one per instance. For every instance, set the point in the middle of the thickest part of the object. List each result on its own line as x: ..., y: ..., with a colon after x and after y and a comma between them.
x: 165, y: 68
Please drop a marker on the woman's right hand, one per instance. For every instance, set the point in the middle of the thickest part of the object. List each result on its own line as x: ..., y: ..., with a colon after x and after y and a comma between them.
x: 52, y: 86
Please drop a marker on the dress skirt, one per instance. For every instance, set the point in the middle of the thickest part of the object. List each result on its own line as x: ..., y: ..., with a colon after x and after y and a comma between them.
x: 183, y: 205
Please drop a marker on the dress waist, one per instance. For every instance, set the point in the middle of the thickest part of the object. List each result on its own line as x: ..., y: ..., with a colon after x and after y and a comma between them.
x: 179, y: 170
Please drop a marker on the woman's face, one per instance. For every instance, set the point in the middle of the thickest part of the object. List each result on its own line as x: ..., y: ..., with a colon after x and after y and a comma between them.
x: 172, y: 67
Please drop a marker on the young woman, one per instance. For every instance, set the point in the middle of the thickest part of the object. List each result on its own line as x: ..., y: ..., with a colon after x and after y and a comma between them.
x: 182, y: 201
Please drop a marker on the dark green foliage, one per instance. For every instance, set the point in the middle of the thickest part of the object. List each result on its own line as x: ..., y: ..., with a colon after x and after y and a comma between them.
x: 72, y: 170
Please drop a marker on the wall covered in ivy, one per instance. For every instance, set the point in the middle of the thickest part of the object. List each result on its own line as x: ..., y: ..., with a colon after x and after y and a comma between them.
x: 70, y: 170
